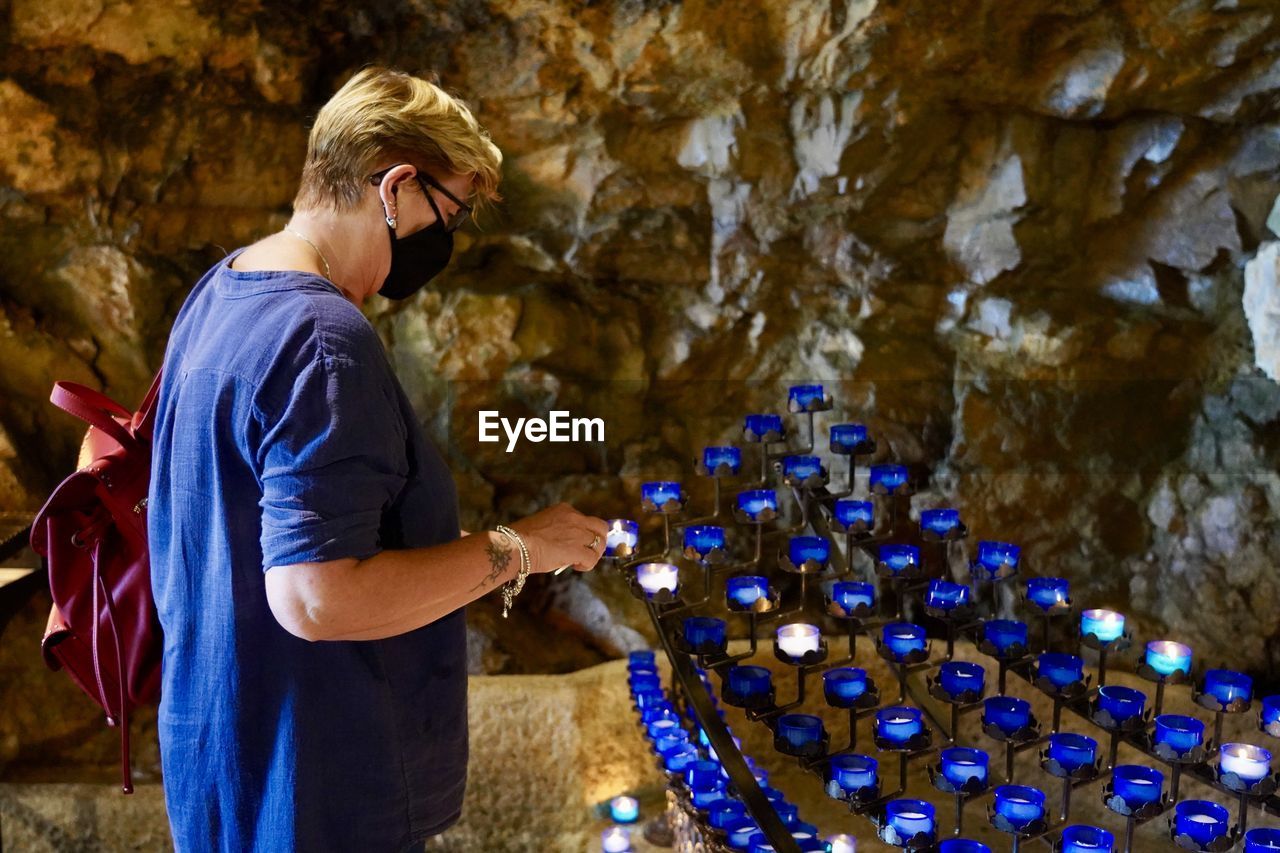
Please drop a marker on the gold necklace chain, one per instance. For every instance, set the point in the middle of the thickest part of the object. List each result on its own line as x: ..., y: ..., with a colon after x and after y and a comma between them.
x: 314, y: 246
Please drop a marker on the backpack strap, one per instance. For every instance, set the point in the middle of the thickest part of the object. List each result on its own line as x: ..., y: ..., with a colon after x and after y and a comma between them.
x: 145, y: 419
x: 94, y: 408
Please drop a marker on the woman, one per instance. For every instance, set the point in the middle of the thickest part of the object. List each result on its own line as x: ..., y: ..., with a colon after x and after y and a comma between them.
x: 307, y: 564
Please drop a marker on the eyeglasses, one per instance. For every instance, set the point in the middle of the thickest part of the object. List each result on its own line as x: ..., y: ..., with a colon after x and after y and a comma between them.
x: 455, y: 220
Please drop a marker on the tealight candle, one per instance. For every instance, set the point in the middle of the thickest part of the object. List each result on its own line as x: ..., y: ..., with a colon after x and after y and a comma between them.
x: 748, y: 681
x: 622, y: 531
x: 903, y: 638
x: 1200, y: 820
x: 661, y: 491
x: 801, y: 467
x: 939, y: 521
x: 1181, y: 734
x: 654, y: 577
x: 853, y: 772
x: 1019, y: 804
x: 703, y: 539
x: 714, y: 457
x: 746, y: 590
x: 700, y: 631
x: 1262, y: 840
x: 726, y: 812
x: 898, y: 725
x: 850, y: 512
x: 788, y: 813
x: 1087, y: 839
x: 1072, y: 751
x: 640, y: 658
x: 851, y: 595
x: 616, y: 839
x: 661, y: 727
x: 803, y: 396
x: 802, y: 548
x: 1251, y: 763
x: 1004, y: 634
x: 1061, y: 670
x: 759, y: 425
x: 1167, y: 657
x: 994, y: 556
x: 910, y: 817
x: 798, y: 638
x: 842, y: 844
x: 844, y: 685
x: 960, y: 764
x: 945, y: 595
x: 755, y: 501
x: 1227, y: 686
x: 800, y: 730
x: 898, y: 558
x: 624, y: 809
x: 888, y: 477
x: 1047, y: 593
x: 962, y: 845
x: 678, y: 760
x: 1006, y: 713
x: 739, y: 832
x: 960, y: 677
x: 1106, y: 625
x: 1122, y: 703
x: 846, y: 437
x: 1137, y: 785
x: 674, y: 739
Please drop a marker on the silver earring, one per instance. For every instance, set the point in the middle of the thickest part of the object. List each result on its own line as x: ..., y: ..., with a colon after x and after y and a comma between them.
x: 391, y: 220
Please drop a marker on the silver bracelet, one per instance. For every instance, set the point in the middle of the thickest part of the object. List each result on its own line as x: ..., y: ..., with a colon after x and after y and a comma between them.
x: 512, y: 588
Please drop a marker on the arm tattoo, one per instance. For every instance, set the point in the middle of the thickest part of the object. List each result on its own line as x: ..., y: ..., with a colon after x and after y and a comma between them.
x: 499, y: 559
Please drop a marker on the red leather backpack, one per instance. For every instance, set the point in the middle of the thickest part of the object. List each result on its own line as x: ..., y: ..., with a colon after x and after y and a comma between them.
x: 103, y: 630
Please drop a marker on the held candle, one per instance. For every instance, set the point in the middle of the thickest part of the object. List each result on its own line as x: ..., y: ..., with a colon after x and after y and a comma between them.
x: 657, y: 576
x: 1167, y: 657
x: 1106, y: 625
x: 798, y: 638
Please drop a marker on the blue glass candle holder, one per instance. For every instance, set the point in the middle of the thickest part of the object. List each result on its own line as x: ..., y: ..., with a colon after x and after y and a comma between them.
x: 1227, y: 686
x: 958, y: 678
x: 663, y: 727
x: 850, y: 513
x: 1269, y: 716
x: 622, y: 537
x: 725, y: 455
x: 1179, y: 734
x: 648, y: 699
x: 1072, y: 752
x: 700, y: 541
x: 746, y: 590
x: 909, y: 818
x: 1005, y: 635
x: 1007, y: 714
x: 1137, y: 785
x: 660, y: 492
x: 758, y: 504
x: 756, y: 428
x: 788, y: 813
x: 962, y: 845
x: 801, y: 398
x: 1201, y: 821
x: 853, y: 772
x: 897, y: 725
x: 703, y: 776
x: 1262, y: 840
x: 1019, y: 805
x: 726, y: 812
x: 800, y: 732
x: 747, y: 686
x: 940, y: 522
x: 945, y: 596
x: 902, y: 639
x: 656, y: 578
x: 887, y: 479
x: 845, y: 438
x: 677, y: 760
x: 641, y: 658
x: 1048, y: 593
x: 653, y: 705
x: 961, y: 764
x: 644, y: 681
x: 675, y: 738
x: 844, y: 685
x: 704, y: 633
x: 998, y: 559
x: 797, y: 469
x: 624, y: 809
x: 899, y: 558
x: 849, y: 596
x: 1060, y: 670
x: 1167, y: 658
x: 1106, y: 625
x: 1249, y: 762
x: 1121, y: 703
x: 1087, y: 839
x: 801, y: 549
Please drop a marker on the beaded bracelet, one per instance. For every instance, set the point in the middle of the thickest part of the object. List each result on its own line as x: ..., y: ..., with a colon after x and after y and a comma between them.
x: 512, y: 588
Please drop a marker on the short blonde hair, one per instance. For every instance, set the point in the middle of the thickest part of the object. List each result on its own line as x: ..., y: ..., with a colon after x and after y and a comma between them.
x: 383, y: 115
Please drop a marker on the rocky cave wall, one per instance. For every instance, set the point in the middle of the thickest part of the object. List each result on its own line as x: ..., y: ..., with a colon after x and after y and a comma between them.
x: 1034, y: 246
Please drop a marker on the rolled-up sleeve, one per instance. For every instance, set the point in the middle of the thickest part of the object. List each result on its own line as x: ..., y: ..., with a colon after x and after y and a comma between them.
x: 333, y: 457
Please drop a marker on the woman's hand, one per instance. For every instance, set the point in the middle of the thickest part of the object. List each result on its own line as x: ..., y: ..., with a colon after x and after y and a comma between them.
x: 561, y: 536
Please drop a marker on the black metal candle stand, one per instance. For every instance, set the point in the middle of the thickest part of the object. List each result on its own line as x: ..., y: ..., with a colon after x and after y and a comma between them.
x: 806, y: 660
x: 705, y: 649
x: 756, y: 702
x: 771, y: 436
x: 1019, y: 834
x: 921, y: 841
x: 713, y: 557
x: 808, y: 567
x: 668, y: 507
x: 1133, y: 817
x: 816, y: 749
x: 866, y: 447
x: 860, y: 799
x: 764, y: 516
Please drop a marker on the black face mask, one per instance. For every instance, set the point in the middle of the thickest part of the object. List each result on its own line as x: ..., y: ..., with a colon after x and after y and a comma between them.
x: 417, y: 259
